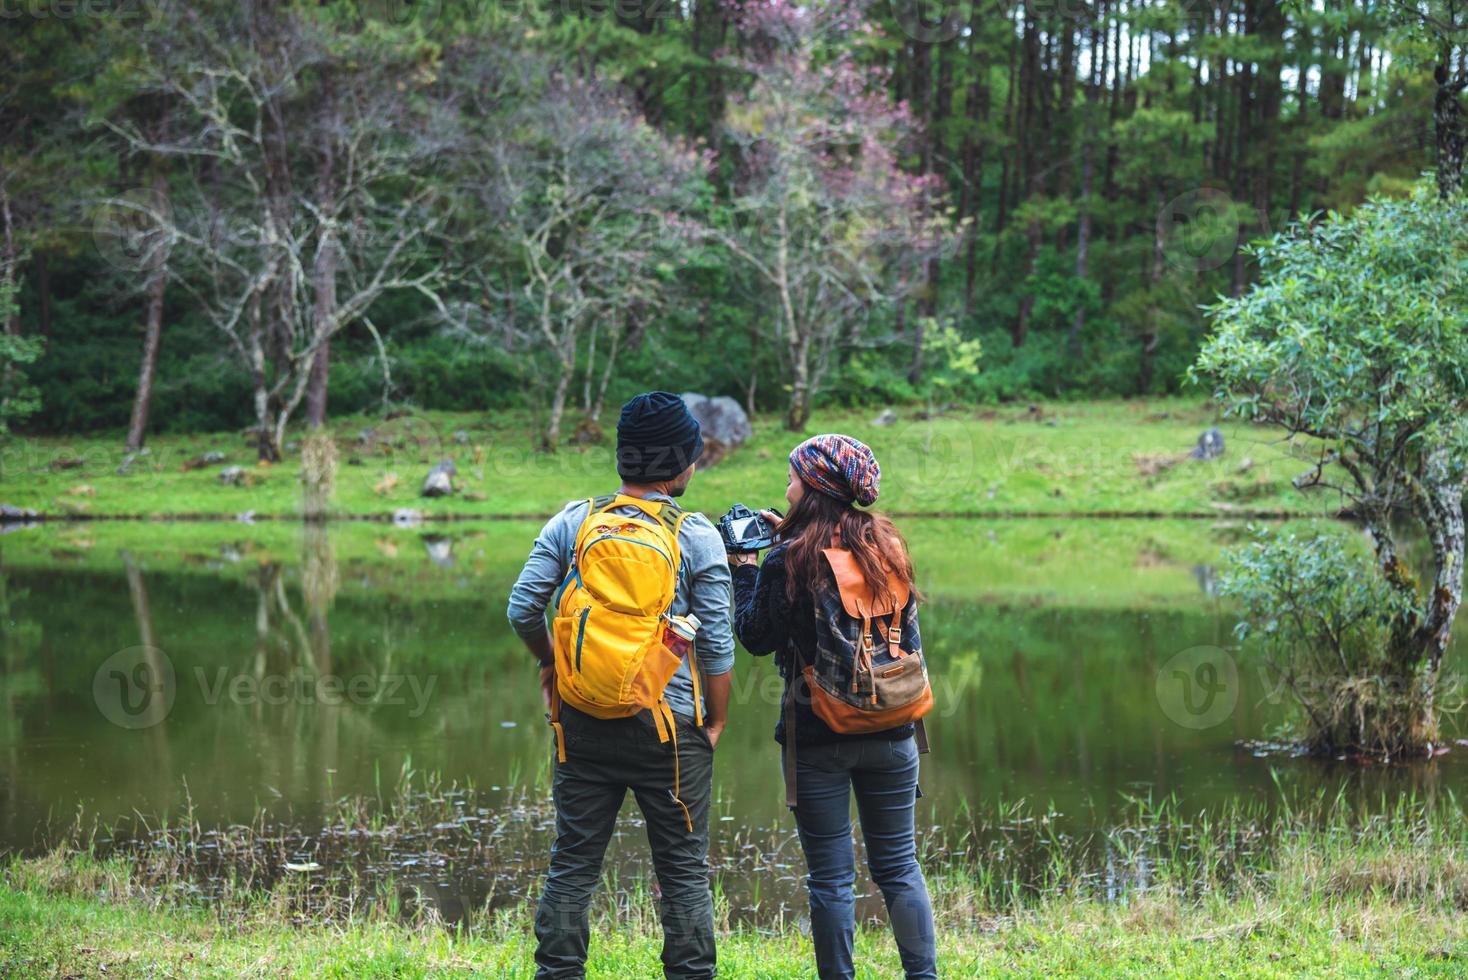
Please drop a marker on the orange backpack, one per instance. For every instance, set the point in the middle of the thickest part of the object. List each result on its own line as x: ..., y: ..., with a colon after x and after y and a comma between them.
x: 863, y: 679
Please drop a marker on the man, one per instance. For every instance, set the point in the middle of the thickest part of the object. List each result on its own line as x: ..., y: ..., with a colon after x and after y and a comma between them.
x: 658, y: 444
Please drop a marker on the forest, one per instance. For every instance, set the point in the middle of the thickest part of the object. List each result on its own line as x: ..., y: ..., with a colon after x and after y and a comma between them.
x: 216, y: 215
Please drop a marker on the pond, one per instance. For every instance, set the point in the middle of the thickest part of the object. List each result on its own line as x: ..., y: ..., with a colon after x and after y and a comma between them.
x: 1078, y: 666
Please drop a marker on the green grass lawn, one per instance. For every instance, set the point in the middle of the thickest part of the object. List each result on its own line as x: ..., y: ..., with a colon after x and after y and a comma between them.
x: 1073, y: 458
x: 79, y: 921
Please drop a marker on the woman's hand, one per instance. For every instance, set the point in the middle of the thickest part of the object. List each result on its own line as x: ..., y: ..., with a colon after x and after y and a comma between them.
x: 775, y: 519
x: 737, y: 558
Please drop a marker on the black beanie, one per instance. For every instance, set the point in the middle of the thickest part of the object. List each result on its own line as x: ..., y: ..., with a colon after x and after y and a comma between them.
x: 657, y: 438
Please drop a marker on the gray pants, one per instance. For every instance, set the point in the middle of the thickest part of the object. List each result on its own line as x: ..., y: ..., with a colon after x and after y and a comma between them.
x: 604, y: 759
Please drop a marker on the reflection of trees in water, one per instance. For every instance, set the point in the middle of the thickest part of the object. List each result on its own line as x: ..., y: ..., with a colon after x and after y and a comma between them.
x: 17, y: 640
x: 155, y: 730
x: 319, y: 582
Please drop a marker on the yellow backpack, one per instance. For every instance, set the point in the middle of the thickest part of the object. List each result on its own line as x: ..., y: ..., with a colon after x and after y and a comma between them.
x: 608, y: 628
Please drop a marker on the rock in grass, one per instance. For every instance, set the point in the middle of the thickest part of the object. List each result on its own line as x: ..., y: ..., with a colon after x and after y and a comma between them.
x: 232, y: 476
x: 440, y: 480
x: 1210, y: 446
x: 9, y: 512
x: 724, y: 423
x: 207, y: 459
x: 887, y: 417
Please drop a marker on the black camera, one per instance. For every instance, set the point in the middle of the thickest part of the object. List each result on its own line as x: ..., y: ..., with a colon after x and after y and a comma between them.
x: 743, y: 530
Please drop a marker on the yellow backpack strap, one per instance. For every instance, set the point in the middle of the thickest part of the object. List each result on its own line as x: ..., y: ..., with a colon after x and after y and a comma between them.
x: 674, y: 523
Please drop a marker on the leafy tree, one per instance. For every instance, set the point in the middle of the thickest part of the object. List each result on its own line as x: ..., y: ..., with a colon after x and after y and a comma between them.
x: 18, y: 398
x: 306, y: 193
x: 1357, y: 337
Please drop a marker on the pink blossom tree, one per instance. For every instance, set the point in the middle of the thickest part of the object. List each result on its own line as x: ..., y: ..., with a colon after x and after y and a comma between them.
x: 823, y: 212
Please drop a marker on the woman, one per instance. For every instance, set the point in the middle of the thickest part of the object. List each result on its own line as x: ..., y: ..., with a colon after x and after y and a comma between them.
x: 775, y: 612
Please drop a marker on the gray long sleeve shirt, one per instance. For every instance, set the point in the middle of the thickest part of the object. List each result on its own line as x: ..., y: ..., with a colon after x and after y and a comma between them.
x: 703, y: 589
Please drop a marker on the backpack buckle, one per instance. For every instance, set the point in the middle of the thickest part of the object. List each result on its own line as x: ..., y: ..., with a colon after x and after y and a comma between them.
x: 894, y: 635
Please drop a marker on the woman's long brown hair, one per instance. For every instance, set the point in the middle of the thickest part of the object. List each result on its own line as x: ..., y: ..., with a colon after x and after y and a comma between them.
x: 872, y: 539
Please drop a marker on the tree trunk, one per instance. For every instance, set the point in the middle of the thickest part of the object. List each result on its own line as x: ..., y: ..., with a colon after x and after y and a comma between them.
x: 1445, y: 530
x: 9, y: 260
x: 137, y: 429
x: 1083, y: 225
x: 323, y: 274
x: 753, y: 384
x: 552, y: 437
x: 1447, y: 121
x: 43, y: 294
x: 975, y: 111
x: 799, y: 410
x: 267, y: 447
x: 920, y: 329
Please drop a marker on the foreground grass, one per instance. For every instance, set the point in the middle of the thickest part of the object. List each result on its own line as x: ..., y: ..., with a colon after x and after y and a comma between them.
x: 1076, y: 458
x: 1321, y: 888
x: 51, y: 926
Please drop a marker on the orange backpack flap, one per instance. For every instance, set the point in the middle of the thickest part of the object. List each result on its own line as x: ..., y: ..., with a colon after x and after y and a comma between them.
x: 862, y: 679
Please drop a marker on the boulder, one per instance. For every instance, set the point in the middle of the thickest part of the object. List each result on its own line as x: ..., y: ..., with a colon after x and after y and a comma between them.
x: 440, y: 480
x: 9, y: 512
x: 724, y: 422
x: 887, y: 417
x: 232, y: 476
x: 1210, y: 446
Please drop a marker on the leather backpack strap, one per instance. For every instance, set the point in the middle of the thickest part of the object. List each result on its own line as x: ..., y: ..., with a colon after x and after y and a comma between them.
x: 555, y: 723
x: 920, y: 732
x: 790, y: 745
x: 797, y: 677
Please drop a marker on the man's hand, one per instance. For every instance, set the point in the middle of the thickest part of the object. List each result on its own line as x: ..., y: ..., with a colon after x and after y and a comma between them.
x: 716, y: 696
x: 547, y: 683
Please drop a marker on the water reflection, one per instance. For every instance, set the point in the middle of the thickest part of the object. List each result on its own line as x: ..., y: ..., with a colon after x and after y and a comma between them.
x: 316, y: 664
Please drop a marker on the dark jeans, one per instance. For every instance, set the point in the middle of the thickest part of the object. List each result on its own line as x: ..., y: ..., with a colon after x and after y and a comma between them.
x: 884, y: 774
x: 604, y: 759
